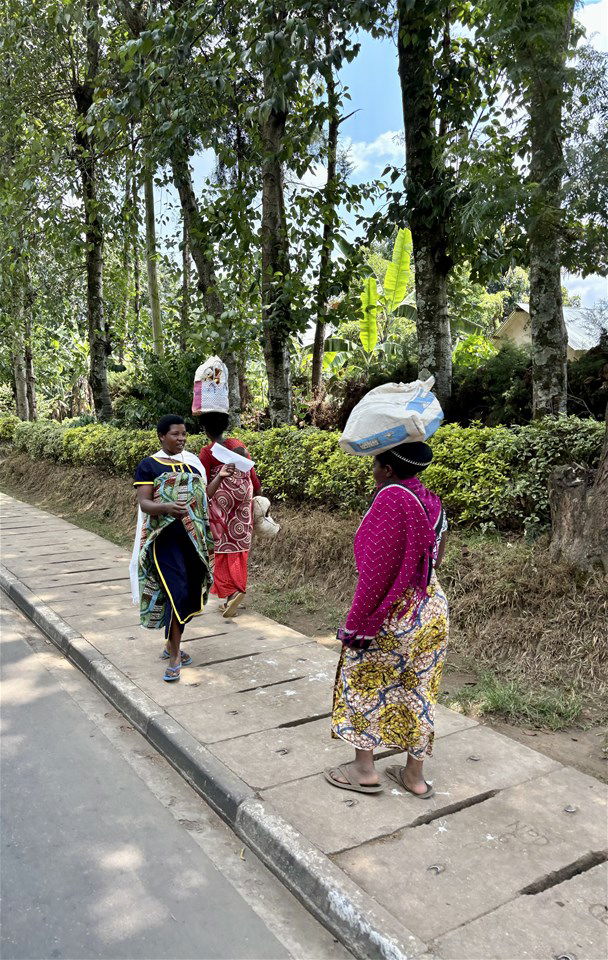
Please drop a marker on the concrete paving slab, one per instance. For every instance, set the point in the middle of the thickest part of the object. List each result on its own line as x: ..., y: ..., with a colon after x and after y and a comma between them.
x: 270, y: 628
x: 448, y: 721
x: 241, y: 713
x: 128, y: 645
x: 336, y: 820
x: 110, y: 603
x: 568, y: 920
x: 199, y: 682
x: 91, y: 624
x: 102, y: 574
x: 41, y: 548
x: 67, y: 564
x: 461, y: 866
x: 54, y: 549
x: 53, y: 594
x: 278, y: 756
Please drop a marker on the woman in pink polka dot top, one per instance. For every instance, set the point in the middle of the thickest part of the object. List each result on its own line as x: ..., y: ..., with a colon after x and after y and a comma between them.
x: 396, y: 632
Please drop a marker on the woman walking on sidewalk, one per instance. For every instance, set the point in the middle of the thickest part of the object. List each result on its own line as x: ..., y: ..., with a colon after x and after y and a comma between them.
x: 230, y: 493
x: 170, y: 569
x: 396, y: 633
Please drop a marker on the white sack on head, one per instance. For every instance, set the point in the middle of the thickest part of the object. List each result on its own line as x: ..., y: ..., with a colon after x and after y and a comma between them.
x: 211, y: 387
x: 392, y: 414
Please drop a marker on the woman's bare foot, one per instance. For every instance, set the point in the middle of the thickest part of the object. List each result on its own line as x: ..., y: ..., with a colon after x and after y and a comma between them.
x: 361, y: 770
x: 412, y: 776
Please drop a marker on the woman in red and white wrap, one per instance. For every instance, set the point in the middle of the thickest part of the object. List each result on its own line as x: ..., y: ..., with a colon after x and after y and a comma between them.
x: 230, y: 493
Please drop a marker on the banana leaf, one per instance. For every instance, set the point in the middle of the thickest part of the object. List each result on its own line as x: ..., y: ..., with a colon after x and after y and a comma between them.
x: 369, y: 317
x: 399, y: 270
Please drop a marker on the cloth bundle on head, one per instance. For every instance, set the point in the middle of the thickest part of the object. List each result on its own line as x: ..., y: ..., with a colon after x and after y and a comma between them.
x: 390, y: 415
x: 211, y: 387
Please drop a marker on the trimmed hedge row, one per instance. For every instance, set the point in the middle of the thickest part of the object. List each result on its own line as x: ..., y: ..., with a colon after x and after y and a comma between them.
x: 485, y: 475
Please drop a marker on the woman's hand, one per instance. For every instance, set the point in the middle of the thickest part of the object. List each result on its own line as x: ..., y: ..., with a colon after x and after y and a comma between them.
x: 177, y: 510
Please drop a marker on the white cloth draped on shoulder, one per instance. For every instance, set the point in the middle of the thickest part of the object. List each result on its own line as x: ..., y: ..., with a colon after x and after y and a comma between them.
x: 185, y: 457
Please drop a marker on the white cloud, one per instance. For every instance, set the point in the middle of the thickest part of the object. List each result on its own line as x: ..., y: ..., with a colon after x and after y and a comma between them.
x: 315, y: 177
x: 590, y: 289
x: 594, y: 17
x: 364, y: 156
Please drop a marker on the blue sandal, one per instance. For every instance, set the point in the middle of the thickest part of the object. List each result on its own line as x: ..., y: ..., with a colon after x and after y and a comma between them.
x: 171, y: 674
x: 185, y: 657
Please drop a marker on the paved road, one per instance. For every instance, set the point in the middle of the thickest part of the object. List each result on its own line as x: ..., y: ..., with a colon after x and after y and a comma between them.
x: 106, y: 852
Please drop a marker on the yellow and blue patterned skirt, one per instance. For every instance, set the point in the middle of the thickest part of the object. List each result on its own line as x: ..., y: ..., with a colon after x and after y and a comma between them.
x: 385, y: 696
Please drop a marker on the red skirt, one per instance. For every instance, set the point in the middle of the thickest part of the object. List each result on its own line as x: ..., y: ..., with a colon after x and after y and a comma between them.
x: 229, y: 574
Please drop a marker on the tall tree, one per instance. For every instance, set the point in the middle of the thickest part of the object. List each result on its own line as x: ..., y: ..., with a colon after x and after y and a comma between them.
x: 151, y: 263
x: 83, y: 89
x: 330, y: 216
x: 276, y: 305
x: 184, y: 311
x: 427, y: 185
x: 543, y: 35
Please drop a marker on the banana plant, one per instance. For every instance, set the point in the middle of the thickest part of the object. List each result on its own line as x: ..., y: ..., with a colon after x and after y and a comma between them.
x: 379, y: 308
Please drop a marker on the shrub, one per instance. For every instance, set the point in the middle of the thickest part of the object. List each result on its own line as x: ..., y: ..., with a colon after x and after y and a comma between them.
x: 486, y: 476
x: 8, y: 425
x: 41, y: 440
x: 164, y: 385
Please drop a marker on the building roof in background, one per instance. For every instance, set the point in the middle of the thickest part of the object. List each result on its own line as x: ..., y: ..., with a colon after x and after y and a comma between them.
x: 580, y: 335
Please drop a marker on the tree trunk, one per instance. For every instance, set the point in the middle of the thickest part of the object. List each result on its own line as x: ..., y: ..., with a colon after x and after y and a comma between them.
x: 425, y: 186
x: 207, y: 281
x: 87, y: 165
x: 136, y: 267
x: 432, y: 318
x: 30, y: 375
x: 151, y: 257
x: 184, y: 314
x: 20, y: 376
x: 276, y: 304
x: 579, y: 513
x: 329, y: 207
x: 548, y: 330
x: 234, y: 389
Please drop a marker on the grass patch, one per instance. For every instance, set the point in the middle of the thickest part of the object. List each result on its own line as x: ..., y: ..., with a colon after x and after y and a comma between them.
x: 511, y: 701
x: 280, y: 605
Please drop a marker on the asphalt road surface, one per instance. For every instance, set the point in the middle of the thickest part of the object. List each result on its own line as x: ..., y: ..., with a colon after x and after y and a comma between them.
x: 106, y: 851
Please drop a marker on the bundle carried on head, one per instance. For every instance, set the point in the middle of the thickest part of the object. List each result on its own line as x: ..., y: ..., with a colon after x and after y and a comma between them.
x: 390, y: 415
x: 211, y: 387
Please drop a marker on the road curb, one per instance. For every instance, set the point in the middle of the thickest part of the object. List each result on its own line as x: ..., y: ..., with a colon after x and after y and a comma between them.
x: 365, y: 928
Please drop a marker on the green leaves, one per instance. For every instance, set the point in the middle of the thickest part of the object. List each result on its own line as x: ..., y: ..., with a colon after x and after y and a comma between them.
x: 397, y: 277
x: 369, y: 306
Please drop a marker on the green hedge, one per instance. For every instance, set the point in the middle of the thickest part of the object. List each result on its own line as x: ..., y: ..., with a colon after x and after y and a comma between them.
x: 485, y: 475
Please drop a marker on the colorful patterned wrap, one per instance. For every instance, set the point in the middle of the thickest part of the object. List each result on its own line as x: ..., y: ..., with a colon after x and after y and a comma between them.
x: 186, y: 488
x: 385, y: 696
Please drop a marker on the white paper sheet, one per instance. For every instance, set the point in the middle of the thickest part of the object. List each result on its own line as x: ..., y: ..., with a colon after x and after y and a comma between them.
x: 224, y: 455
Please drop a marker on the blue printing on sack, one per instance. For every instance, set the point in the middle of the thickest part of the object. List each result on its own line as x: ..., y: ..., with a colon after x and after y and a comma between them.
x: 419, y: 404
x: 433, y: 426
x: 375, y: 443
x: 395, y: 435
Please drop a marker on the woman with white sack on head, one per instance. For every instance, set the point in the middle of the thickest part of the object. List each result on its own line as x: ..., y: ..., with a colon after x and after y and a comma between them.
x: 232, y: 484
x: 394, y: 640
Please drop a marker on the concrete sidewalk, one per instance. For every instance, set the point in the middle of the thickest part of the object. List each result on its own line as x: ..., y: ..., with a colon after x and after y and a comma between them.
x: 506, y: 862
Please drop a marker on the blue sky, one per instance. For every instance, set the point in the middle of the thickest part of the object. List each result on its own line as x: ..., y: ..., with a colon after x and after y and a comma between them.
x: 374, y: 133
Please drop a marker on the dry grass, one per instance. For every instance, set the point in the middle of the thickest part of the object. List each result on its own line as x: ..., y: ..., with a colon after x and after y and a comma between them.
x: 513, y: 610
